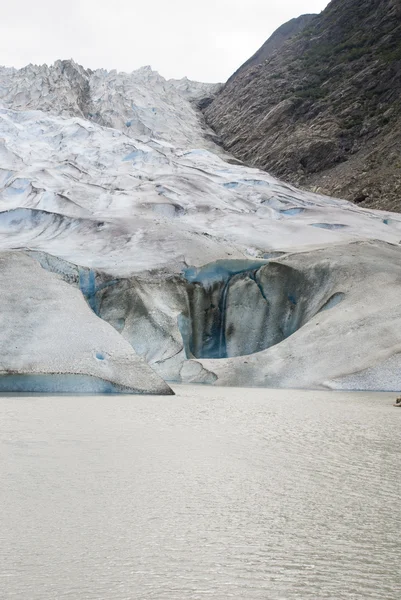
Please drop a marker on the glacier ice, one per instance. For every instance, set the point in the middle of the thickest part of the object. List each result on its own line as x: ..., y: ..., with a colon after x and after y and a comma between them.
x: 51, y: 341
x: 211, y: 270
x: 343, y: 332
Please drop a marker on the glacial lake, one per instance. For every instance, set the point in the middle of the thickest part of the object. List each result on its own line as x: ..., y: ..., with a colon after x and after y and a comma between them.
x: 215, y: 493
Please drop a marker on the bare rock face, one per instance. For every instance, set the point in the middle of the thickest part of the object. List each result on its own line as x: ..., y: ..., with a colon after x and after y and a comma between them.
x: 323, y: 111
x: 275, y: 42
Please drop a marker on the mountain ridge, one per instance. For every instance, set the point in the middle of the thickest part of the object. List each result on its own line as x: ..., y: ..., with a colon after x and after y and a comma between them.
x: 323, y: 112
x: 275, y: 42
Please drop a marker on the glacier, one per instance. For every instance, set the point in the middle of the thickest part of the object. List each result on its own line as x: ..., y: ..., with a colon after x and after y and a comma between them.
x: 207, y: 270
x: 51, y: 341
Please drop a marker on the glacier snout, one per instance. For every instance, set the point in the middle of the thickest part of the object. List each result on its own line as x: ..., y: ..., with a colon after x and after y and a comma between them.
x: 52, y: 342
x: 207, y: 270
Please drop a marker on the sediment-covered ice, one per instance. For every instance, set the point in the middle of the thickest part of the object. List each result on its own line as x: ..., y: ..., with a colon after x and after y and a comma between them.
x: 330, y: 318
x: 51, y: 341
x: 113, y: 182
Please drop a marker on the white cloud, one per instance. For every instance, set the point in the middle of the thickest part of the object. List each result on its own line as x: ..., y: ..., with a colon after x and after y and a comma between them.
x: 205, y: 40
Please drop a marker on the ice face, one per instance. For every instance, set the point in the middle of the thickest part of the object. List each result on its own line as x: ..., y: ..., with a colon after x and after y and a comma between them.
x: 330, y: 319
x: 58, y: 384
x: 114, y: 184
x: 52, y: 341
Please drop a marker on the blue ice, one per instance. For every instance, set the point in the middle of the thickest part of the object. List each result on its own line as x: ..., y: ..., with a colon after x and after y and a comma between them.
x: 185, y: 328
x: 87, y: 285
x: 333, y: 301
x: 58, y: 384
x: 17, y: 187
x: 254, y: 182
x: 134, y: 155
x: 197, y: 153
x: 292, y: 211
x: 221, y: 270
x: 328, y: 225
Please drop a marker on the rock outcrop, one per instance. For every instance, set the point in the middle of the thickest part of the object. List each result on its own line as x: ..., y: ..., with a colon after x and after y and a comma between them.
x: 323, y: 111
x: 275, y: 42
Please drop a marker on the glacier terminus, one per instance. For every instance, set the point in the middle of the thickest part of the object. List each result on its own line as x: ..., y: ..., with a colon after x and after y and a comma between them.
x: 135, y: 251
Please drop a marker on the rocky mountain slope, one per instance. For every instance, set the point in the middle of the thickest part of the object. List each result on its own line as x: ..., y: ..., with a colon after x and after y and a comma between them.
x: 114, y: 197
x: 275, y: 42
x: 323, y: 112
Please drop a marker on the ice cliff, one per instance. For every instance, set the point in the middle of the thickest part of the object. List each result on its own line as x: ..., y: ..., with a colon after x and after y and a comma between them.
x: 51, y: 340
x: 209, y: 270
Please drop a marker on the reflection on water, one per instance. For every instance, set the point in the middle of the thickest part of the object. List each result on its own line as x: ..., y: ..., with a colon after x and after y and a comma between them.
x: 215, y: 493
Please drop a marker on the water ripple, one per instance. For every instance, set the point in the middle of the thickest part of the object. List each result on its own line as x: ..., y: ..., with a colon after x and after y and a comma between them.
x: 215, y: 493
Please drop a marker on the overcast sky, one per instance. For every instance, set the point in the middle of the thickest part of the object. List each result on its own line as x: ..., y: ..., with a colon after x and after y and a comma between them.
x: 205, y: 40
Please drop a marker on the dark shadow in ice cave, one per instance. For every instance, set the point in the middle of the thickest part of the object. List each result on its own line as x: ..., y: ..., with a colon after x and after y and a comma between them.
x: 238, y: 308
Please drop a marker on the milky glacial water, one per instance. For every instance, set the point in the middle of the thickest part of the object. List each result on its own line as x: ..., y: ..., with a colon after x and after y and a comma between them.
x: 214, y: 493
